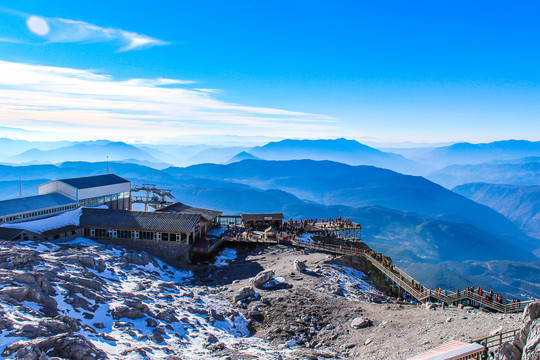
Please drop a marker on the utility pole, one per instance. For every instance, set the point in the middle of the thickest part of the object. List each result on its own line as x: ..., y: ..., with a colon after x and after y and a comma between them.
x: 20, y: 186
x: 107, y: 164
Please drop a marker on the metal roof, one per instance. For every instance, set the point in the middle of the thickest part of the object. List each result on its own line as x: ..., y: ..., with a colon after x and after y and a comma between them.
x: 139, y: 220
x: 32, y: 203
x: 94, y: 181
x: 272, y: 216
x: 449, y: 351
x: 180, y: 208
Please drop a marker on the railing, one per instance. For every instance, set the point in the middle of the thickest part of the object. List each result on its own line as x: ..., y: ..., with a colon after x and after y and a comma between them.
x: 428, y: 294
x: 494, y: 341
x: 404, y: 280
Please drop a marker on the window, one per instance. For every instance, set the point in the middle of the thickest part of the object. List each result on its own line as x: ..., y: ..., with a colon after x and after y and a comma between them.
x: 146, y: 235
x: 124, y: 234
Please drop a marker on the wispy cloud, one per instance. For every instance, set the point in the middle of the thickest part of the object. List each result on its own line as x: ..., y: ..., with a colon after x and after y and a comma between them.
x: 64, y: 100
x: 40, y: 29
x: 68, y: 31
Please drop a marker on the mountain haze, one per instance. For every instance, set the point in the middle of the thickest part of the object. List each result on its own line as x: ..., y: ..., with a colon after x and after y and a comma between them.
x: 514, y: 172
x: 332, y: 183
x: 86, y: 151
x: 521, y: 204
x: 470, y: 154
x: 340, y: 150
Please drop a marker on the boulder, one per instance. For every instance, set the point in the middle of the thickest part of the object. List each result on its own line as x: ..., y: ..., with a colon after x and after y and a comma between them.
x: 212, y: 339
x: 75, y: 347
x: 123, y: 311
x: 300, y: 266
x: 531, y: 350
x: 167, y: 315
x: 263, y: 277
x: 217, y: 315
x: 245, y: 292
x: 137, y: 258
x: 73, y: 323
x: 25, y: 278
x: 28, y: 292
x: 18, y: 293
x: 508, y: 352
x: 532, y: 311
x: 361, y: 322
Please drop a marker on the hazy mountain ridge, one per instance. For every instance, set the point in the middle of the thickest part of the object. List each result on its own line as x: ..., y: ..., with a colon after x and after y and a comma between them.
x: 244, y: 155
x: 87, y: 151
x: 331, y: 183
x: 521, y: 204
x: 340, y: 150
x: 470, y: 154
x: 524, y: 174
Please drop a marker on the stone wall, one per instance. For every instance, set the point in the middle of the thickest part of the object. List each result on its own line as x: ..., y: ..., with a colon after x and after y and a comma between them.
x: 170, y: 252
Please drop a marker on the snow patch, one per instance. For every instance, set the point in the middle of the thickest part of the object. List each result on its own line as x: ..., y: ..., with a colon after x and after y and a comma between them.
x: 225, y: 257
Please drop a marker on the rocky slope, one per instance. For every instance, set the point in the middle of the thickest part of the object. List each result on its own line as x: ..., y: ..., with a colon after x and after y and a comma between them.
x: 82, y: 300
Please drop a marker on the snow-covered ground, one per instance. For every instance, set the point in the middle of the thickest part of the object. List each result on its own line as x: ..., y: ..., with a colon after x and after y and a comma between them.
x: 225, y: 257
x: 189, y: 319
x: 306, y: 238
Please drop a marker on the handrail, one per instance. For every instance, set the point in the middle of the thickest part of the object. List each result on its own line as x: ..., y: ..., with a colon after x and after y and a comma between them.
x: 406, y: 282
x: 496, y: 340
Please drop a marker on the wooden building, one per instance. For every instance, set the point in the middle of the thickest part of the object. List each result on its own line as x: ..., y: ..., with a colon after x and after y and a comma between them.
x: 262, y: 220
x: 209, y: 218
x: 142, y: 225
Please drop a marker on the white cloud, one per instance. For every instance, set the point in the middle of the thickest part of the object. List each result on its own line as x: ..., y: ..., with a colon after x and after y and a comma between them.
x: 68, y: 31
x: 56, y: 99
x: 38, y: 29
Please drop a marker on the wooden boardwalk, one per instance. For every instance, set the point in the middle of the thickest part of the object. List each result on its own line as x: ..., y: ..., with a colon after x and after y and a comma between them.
x: 400, y: 278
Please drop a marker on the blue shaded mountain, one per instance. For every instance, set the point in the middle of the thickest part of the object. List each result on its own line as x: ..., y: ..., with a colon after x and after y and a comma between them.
x: 86, y: 151
x: 331, y: 183
x: 340, y: 150
x: 11, y: 147
x: 514, y: 172
x: 218, y: 155
x: 521, y: 204
x: 242, y: 156
x: 470, y: 154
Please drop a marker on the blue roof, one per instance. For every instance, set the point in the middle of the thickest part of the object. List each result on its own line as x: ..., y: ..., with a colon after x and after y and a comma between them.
x: 31, y: 203
x: 94, y: 181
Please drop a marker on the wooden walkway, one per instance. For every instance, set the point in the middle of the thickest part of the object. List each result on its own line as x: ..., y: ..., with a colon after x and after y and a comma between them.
x: 401, y: 279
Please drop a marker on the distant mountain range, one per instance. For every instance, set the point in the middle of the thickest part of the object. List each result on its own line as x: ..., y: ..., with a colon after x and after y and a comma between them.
x: 340, y: 150
x: 332, y: 183
x: 242, y: 156
x: 88, y: 151
x: 521, y: 204
x: 525, y: 172
x: 470, y: 154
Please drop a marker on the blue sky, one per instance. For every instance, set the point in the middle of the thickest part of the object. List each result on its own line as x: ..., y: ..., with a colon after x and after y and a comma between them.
x: 168, y: 70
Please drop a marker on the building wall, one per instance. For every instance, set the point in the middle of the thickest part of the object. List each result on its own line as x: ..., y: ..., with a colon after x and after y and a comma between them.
x: 103, y: 190
x: 170, y: 252
x: 58, y: 187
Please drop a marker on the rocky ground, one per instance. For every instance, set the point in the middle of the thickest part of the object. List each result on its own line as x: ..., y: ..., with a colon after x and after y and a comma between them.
x: 317, y: 309
x: 82, y: 300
